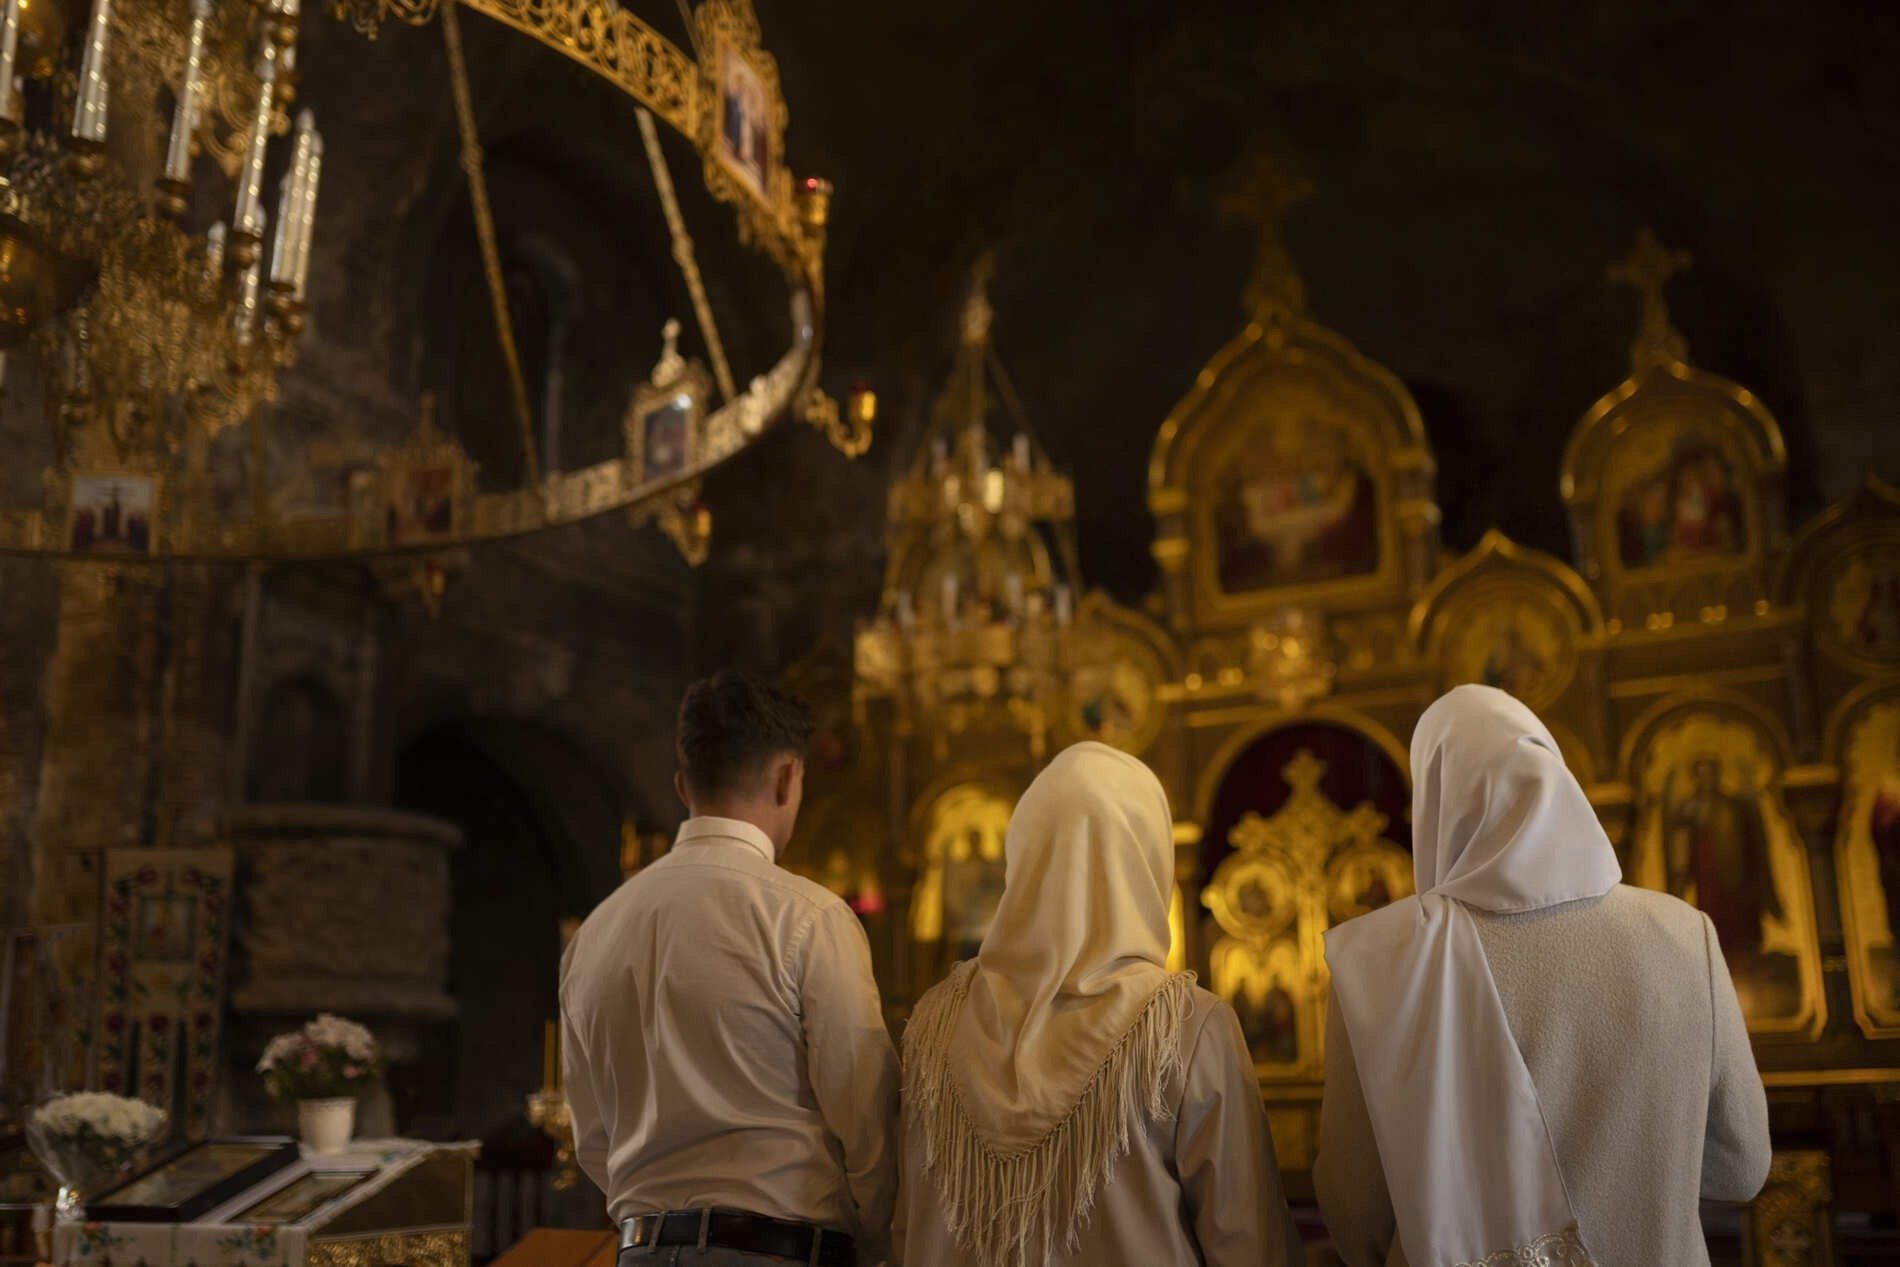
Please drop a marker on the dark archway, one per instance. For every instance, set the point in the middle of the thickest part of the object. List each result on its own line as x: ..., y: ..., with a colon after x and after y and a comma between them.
x: 542, y: 826
x: 300, y: 751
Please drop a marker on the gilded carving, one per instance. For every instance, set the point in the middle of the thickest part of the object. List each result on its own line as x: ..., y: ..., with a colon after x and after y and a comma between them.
x: 1790, y: 1223
x: 1292, y: 876
x: 1673, y: 478
x: 403, y: 1249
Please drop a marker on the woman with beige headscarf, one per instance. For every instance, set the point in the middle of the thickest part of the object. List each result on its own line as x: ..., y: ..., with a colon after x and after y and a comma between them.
x: 1527, y: 1062
x: 1067, y: 1099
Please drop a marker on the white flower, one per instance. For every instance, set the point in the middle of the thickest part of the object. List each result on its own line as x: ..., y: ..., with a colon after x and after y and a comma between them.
x: 114, y: 1116
x: 338, y: 1034
x: 281, y: 1047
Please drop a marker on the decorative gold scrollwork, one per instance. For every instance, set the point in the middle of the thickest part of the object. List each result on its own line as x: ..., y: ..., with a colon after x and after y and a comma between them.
x: 1294, y: 875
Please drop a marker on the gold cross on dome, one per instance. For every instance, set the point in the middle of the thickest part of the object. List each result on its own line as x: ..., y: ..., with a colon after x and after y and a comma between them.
x: 1270, y: 190
x: 1646, y: 270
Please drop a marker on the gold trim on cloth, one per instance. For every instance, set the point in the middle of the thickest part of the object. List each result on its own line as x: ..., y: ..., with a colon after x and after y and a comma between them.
x: 1558, y: 1249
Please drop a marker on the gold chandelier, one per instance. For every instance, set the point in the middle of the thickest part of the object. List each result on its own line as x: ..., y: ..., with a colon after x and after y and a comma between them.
x: 975, y: 627
x: 162, y: 323
x: 161, y: 284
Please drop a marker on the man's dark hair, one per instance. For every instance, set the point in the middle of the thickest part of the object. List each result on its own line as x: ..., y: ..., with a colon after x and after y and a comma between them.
x: 730, y: 725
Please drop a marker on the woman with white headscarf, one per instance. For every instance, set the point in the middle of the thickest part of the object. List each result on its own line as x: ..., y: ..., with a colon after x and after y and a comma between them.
x: 1528, y: 1062
x: 1067, y: 1099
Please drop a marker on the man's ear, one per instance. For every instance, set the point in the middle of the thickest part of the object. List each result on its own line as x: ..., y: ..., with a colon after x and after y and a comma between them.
x: 679, y: 788
x: 782, y: 784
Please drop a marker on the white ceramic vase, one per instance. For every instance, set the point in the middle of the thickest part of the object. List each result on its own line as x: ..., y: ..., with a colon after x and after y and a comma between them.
x: 326, y: 1125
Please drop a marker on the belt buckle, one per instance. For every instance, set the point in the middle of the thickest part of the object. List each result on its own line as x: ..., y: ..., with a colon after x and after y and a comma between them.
x: 634, y: 1232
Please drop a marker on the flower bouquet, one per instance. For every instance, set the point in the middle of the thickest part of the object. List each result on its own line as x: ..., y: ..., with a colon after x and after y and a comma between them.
x: 322, y: 1067
x: 92, y: 1141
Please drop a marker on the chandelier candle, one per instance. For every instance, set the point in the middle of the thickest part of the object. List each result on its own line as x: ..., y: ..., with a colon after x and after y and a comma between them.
x: 247, y: 223
x: 89, y: 109
x: 9, y: 51
x: 307, y: 212
x: 291, y: 195
x: 244, y: 316
x: 176, y: 182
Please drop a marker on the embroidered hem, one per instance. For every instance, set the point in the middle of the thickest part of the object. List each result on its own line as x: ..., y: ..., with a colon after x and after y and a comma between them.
x: 1558, y: 1249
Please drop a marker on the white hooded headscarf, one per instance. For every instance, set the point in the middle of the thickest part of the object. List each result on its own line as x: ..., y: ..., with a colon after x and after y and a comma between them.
x: 1030, y: 1067
x: 1499, y: 824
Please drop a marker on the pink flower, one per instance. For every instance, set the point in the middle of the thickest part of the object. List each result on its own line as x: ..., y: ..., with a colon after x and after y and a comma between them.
x: 309, y: 1058
x: 352, y: 1071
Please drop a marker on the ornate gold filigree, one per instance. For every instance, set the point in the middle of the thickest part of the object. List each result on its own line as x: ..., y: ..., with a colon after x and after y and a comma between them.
x: 403, y: 1249
x: 1789, y: 1224
x: 1558, y: 1249
x: 1293, y: 876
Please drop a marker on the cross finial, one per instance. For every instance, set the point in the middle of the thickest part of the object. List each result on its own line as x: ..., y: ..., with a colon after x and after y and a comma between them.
x: 1647, y: 269
x: 1304, y: 772
x: 1269, y: 191
x: 976, y: 309
x: 669, y: 366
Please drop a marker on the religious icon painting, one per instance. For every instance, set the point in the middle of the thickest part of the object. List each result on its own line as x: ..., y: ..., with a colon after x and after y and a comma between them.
x: 1712, y: 829
x: 1860, y: 601
x: 1294, y: 504
x: 744, y: 140
x: 426, y: 487
x: 1513, y: 640
x: 422, y: 505
x: 663, y: 422
x: 1867, y: 859
x: 1117, y: 673
x: 1676, y: 496
x: 961, y: 879
x: 165, y: 928
x: 112, y: 514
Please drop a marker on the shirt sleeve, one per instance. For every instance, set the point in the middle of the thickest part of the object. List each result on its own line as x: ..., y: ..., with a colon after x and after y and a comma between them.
x: 853, y: 1068
x: 1737, y: 1153
x: 583, y: 1103
x: 1348, y: 1177
x: 1230, y: 1181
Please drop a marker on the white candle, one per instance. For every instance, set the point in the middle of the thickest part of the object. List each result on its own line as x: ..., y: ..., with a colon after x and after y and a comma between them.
x: 307, y: 212
x: 1013, y: 590
x: 9, y: 48
x: 906, y: 614
x: 185, y: 114
x: 290, y: 199
x: 244, y: 316
x: 89, y: 108
x: 214, y: 251
x: 1064, y: 612
x: 1022, y: 451
x: 950, y: 598
x: 249, y: 218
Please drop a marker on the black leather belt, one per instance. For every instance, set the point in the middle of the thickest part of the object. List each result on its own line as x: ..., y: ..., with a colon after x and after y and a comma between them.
x: 645, y: 1234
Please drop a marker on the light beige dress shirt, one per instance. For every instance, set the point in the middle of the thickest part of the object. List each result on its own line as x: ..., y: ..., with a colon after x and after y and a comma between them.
x: 1202, y: 1188
x: 1623, y: 1009
x: 724, y: 1045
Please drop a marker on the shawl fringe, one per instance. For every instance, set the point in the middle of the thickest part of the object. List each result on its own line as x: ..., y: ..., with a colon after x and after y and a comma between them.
x: 1020, y: 1207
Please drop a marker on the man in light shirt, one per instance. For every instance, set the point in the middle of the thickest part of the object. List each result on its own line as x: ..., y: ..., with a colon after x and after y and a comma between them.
x: 732, y: 1085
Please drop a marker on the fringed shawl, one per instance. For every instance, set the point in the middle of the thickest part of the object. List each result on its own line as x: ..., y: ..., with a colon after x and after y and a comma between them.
x: 1033, y: 1067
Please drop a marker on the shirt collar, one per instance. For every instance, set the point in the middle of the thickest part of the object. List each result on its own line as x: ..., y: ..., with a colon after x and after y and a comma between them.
x: 732, y: 830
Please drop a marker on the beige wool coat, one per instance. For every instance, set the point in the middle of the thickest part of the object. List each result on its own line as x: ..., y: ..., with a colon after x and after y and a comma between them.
x: 1626, y: 1017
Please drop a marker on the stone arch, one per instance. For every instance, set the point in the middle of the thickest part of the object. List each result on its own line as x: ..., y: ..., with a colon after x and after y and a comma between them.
x: 542, y: 826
